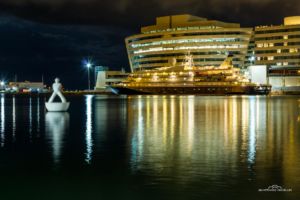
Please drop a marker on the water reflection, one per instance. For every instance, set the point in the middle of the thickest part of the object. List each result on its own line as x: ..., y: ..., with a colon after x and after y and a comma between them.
x: 175, y: 136
x: 89, y: 128
x: 30, y: 119
x: 14, y: 125
x: 57, y: 125
x: 38, y: 115
x: 2, y: 137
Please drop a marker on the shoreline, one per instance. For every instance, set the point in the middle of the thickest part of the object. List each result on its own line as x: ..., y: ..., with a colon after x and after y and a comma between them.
x: 83, y: 93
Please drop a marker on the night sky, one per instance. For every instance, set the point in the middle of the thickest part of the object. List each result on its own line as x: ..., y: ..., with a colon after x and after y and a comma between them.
x: 51, y: 37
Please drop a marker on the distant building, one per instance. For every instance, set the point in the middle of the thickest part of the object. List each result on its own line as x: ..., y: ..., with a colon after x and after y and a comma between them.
x: 26, y: 86
x: 106, y: 77
x: 208, y: 41
x: 278, y: 47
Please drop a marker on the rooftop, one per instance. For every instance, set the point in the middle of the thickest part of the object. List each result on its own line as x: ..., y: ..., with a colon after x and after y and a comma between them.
x: 185, y: 20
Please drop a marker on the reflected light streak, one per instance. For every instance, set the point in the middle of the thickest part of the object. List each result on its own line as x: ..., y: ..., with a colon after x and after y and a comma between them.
x: 2, y: 121
x: 172, y: 118
x: 225, y: 105
x: 165, y: 121
x: 234, y: 117
x: 191, y: 121
x: 155, y: 116
x: 14, y: 118
x: 88, y: 133
x: 30, y: 119
x: 38, y: 115
x: 57, y: 124
x: 252, y: 136
x: 140, y: 129
x: 245, y: 125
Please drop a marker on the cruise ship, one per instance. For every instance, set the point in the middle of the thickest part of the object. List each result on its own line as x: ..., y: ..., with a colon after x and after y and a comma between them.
x: 190, y: 79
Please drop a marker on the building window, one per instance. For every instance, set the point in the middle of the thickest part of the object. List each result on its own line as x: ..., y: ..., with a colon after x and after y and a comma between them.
x: 271, y: 44
x: 278, y: 50
x: 285, y: 63
x: 270, y: 57
x: 285, y: 37
x: 285, y: 44
x: 293, y: 50
x: 279, y: 64
x: 259, y: 45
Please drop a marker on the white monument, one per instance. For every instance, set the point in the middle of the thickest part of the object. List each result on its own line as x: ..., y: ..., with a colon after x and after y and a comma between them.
x: 57, y: 106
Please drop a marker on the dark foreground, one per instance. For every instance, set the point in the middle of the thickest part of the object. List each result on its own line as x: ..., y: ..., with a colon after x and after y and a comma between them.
x: 150, y: 147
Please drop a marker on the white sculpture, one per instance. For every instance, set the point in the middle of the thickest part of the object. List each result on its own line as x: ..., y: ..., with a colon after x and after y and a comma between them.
x: 57, y: 106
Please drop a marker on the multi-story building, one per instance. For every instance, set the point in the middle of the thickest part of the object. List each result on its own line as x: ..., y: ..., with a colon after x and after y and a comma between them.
x: 106, y: 78
x: 209, y: 41
x: 278, y: 47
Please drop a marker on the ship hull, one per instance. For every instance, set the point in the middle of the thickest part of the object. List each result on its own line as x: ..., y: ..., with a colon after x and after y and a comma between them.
x: 203, y: 90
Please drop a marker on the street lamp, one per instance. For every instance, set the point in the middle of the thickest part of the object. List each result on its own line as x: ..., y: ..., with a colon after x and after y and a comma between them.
x: 2, y: 85
x: 88, y: 66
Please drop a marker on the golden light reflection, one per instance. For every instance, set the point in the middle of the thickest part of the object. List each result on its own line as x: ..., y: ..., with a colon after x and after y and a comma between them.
x: 190, y: 122
x: 252, y: 131
x: 177, y: 134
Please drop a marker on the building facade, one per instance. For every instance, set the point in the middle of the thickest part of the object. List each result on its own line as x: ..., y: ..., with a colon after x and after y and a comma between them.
x: 26, y: 86
x: 106, y: 78
x: 208, y: 41
x: 278, y: 47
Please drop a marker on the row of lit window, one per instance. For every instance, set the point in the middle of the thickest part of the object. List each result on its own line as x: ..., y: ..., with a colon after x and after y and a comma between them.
x: 291, y: 50
x: 287, y: 63
x: 182, y: 29
x: 285, y: 37
x: 183, y: 60
x: 278, y: 57
x: 235, y: 46
x: 264, y: 45
x: 189, y: 34
x: 277, y: 31
x: 164, y: 42
x: 184, y: 54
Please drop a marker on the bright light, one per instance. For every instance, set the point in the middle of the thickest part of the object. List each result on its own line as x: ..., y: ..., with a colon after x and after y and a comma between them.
x: 155, y: 77
x: 2, y: 83
x: 89, y: 65
x: 173, y: 77
x: 252, y: 58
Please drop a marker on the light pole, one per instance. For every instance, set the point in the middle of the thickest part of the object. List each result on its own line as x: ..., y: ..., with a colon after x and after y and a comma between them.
x: 2, y: 84
x: 88, y: 66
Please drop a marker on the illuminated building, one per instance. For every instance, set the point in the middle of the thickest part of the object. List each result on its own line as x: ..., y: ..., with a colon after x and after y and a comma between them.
x: 208, y: 41
x: 106, y: 77
x: 278, y: 47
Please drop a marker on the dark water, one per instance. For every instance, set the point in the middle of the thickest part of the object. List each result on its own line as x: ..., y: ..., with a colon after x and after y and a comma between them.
x: 150, y: 147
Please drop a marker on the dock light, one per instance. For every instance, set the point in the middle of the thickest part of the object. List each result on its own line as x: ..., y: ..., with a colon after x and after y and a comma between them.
x: 2, y: 83
x: 88, y: 65
x: 252, y: 58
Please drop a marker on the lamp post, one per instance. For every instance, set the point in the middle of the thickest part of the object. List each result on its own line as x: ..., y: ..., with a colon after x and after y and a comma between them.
x: 88, y: 66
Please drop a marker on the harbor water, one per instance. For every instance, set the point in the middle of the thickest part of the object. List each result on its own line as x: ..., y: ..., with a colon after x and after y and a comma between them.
x: 151, y: 147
